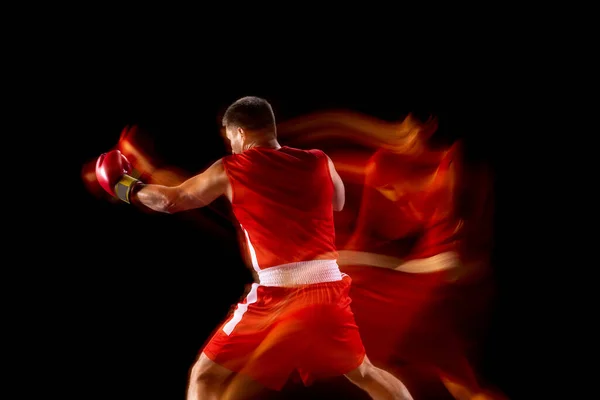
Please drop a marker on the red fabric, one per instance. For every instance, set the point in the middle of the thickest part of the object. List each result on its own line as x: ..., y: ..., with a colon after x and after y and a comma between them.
x: 309, y: 329
x: 283, y: 201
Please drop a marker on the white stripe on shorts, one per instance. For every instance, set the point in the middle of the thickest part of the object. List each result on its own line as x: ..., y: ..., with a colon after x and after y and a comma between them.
x: 241, y: 309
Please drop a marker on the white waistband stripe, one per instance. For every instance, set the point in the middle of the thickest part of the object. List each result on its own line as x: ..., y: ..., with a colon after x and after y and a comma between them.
x: 300, y: 273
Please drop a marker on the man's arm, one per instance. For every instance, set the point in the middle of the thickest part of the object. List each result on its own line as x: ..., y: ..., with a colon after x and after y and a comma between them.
x: 339, y: 191
x: 197, y: 191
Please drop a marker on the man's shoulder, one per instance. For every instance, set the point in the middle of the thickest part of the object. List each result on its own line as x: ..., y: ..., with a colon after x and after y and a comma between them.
x: 220, y: 161
x: 229, y: 158
x: 217, y: 165
x: 313, y: 151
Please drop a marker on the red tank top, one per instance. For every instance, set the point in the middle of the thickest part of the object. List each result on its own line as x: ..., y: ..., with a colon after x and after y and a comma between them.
x: 282, y: 200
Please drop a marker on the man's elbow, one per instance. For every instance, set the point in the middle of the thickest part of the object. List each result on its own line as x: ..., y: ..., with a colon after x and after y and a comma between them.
x: 172, y: 202
x: 172, y: 207
x: 338, y: 206
x: 164, y: 206
x: 179, y: 200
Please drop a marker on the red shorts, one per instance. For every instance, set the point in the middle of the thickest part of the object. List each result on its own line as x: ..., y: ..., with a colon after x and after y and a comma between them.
x: 275, y: 331
x: 420, y: 319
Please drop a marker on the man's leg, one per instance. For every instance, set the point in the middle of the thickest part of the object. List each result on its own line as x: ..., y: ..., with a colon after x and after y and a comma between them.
x: 378, y: 383
x: 206, y: 380
x: 209, y: 380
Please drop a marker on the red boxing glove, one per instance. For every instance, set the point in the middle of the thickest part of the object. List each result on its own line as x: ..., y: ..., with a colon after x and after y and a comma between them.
x: 112, y: 172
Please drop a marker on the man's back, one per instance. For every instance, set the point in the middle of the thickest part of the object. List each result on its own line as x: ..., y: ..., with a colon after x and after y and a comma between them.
x: 282, y: 199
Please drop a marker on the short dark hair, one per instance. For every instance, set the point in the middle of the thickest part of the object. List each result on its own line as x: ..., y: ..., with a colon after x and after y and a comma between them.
x: 250, y: 112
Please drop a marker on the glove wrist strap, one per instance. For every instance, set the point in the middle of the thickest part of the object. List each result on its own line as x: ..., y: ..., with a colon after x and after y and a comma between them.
x: 124, y: 187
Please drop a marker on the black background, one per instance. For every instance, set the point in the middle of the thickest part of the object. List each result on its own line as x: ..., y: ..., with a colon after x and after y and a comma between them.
x: 144, y: 291
x: 107, y: 302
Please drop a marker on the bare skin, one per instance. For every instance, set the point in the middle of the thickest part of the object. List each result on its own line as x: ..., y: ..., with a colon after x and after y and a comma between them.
x: 208, y: 380
x: 204, y: 188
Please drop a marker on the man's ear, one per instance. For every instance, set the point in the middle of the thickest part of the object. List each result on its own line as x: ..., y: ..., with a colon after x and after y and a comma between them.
x: 242, y: 133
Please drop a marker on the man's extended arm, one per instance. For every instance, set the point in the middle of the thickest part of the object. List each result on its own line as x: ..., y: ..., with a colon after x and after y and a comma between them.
x: 197, y: 191
x: 112, y: 170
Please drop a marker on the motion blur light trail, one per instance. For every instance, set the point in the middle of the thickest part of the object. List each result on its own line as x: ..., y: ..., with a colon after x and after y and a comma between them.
x: 137, y: 146
x: 412, y: 195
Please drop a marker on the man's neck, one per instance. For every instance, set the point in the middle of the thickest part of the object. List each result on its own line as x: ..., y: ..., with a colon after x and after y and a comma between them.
x: 271, y: 144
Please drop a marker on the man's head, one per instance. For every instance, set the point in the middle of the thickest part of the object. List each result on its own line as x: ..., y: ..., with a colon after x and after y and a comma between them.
x: 249, y: 121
